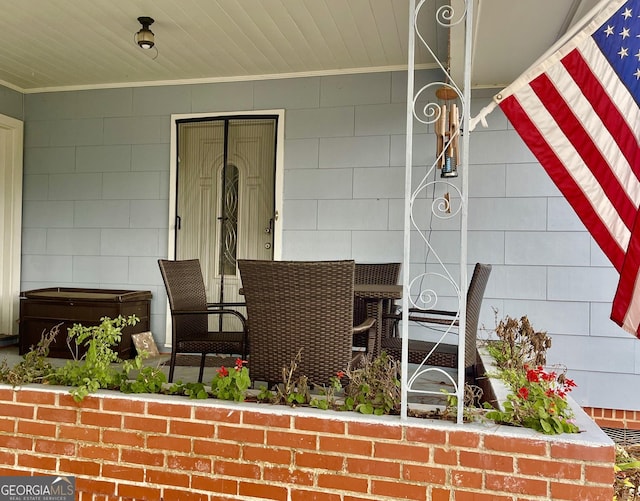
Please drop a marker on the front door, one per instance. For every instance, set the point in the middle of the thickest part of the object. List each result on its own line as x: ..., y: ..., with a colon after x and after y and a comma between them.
x: 225, y: 200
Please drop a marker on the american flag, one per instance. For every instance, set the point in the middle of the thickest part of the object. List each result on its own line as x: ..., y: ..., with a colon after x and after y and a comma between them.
x: 578, y: 112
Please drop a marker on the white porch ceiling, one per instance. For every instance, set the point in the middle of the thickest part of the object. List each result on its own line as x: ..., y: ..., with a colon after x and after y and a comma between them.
x: 63, y: 44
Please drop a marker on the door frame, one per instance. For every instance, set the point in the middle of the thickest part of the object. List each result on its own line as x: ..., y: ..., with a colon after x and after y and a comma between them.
x: 173, y: 169
x: 11, y: 155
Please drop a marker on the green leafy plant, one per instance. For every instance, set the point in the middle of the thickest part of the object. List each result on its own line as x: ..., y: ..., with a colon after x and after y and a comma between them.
x: 34, y: 366
x: 374, y: 387
x: 191, y: 390
x: 626, y: 486
x: 233, y: 384
x: 148, y: 380
x: 94, y: 370
x: 327, y: 398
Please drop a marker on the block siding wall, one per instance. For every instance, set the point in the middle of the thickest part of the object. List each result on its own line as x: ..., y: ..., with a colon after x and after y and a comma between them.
x: 152, y: 449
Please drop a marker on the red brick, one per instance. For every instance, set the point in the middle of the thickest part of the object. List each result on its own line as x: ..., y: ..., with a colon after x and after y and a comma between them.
x: 139, y: 493
x: 17, y: 411
x: 440, y: 494
x: 123, y: 438
x: 303, y: 495
x: 550, y: 469
x: 98, y: 452
x: 169, y: 410
x: 123, y: 472
x: 95, y: 486
x: 599, y: 474
x: 217, y: 414
x: 377, y: 431
x: 55, y: 447
x: 401, y: 451
x: 464, y: 439
x: 266, y: 420
x: 342, y: 482
x: 216, y: 449
x: 175, y: 495
x: 266, y: 455
x: 461, y: 495
x: 287, y: 476
x: 36, y: 428
x: 57, y: 415
x: 291, y: 439
x: 142, y: 457
x: 426, y: 435
x: 36, y: 397
x: 80, y: 433
x: 422, y: 473
x: 353, y: 447
x: 444, y: 456
x: 583, y: 452
x: 573, y: 492
x: 101, y: 419
x: 262, y: 490
x: 235, y: 469
x: 140, y: 423
x: 212, y: 484
x: 515, y: 485
x: 12, y: 442
x: 38, y: 462
x: 237, y: 434
x: 167, y: 478
x: 320, y: 425
x: 66, y: 400
x: 123, y: 405
x: 7, y: 395
x: 189, y: 463
x: 485, y: 461
x: 318, y: 460
x: 373, y: 467
x: 511, y: 444
x: 466, y: 479
x: 165, y: 443
x: 191, y: 429
x: 397, y: 490
x: 7, y: 424
x: 78, y: 467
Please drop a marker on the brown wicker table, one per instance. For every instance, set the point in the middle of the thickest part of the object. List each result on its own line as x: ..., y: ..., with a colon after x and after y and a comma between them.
x: 377, y: 296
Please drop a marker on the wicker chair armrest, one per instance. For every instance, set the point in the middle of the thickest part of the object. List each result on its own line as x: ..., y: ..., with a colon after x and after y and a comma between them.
x: 223, y: 305
x: 235, y: 313
x: 367, y: 326
x: 364, y: 326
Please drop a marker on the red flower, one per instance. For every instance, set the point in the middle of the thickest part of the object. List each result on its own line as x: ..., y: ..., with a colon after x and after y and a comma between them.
x: 532, y: 376
x: 239, y: 363
x: 340, y: 374
x: 523, y: 393
x: 223, y: 372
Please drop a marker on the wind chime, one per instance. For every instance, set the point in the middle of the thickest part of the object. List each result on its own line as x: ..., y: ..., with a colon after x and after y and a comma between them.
x: 447, y: 129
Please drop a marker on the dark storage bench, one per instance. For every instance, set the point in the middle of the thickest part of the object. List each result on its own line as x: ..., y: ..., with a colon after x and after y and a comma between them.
x: 41, y: 309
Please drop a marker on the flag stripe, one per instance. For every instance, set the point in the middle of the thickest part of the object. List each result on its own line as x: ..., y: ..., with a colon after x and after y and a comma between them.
x: 537, y: 142
x: 608, y: 110
x: 587, y: 199
x: 626, y: 303
x: 576, y: 135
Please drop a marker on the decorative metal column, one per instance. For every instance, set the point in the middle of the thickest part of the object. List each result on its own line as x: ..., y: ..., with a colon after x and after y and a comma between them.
x: 447, y: 114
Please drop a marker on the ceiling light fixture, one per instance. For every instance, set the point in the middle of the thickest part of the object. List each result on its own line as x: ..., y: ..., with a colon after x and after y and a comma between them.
x: 144, y: 37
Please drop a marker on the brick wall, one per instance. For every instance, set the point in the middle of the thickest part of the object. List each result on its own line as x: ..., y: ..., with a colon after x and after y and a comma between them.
x: 152, y: 448
x: 614, y: 418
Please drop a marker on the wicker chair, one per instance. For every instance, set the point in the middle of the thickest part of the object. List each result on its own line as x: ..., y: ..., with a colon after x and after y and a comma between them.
x: 445, y: 355
x: 374, y: 273
x: 293, y: 305
x: 190, y: 315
